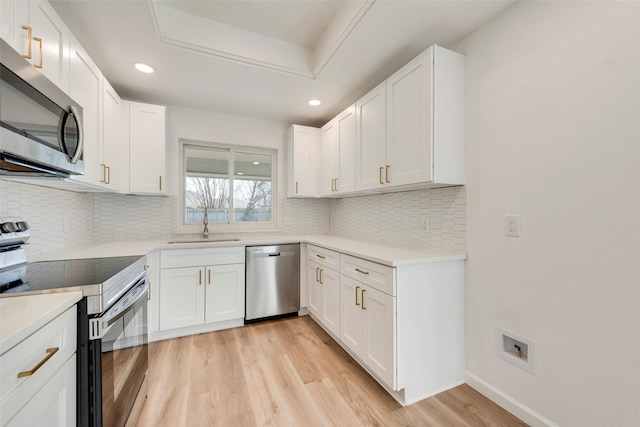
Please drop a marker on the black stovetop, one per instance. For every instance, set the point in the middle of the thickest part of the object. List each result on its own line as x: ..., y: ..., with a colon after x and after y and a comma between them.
x: 51, y: 276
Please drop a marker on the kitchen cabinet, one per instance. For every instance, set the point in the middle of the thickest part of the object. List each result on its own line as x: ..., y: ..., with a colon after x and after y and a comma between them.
x: 338, y: 139
x: 14, y: 14
x: 404, y: 323
x: 410, y: 128
x: 39, y: 376
x: 303, y: 145
x: 323, y: 281
x: 86, y: 89
x: 147, y: 147
x: 112, y: 142
x: 200, y: 286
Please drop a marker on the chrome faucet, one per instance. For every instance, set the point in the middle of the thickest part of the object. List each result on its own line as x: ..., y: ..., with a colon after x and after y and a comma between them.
x: 205, y: 232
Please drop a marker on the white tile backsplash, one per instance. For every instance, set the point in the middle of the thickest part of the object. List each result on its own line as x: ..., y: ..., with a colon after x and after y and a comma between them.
x: 58, y: 219
x: 396, y: 218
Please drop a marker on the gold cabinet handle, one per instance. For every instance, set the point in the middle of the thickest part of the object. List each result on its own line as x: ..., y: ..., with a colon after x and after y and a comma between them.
x: 381, y: 181
x: 209, y: 277
x: 200, y: 277
x: 321, y: 282
x: 320, y: 256
x: 296, y: 187
x: 39, y: 64
x: 387, y: 174
x: 357, y: 287
x: 317, y: 274
x: 50, y: 353
x: 104, y: 173
x: 333, y: 181
x: 160, y: 182
x: 29, y: 30
x: 363, y: 291
x: 149, y: 291
x: 362, y: 271
x: 108, y: 170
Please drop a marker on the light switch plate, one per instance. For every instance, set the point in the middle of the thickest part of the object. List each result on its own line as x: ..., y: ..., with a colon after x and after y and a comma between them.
x: 512, y: 225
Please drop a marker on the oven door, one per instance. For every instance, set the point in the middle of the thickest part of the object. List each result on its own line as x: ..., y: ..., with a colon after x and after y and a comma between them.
x: 124, y: 354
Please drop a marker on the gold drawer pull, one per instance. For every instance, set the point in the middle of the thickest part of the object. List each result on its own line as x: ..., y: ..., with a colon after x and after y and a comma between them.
x: 317, y: 269
x: 321, y: 282
x: 209, y: 277
x: 360, y: 271
x: 160, y: 182
x: 320, y: 256
x: 108, y: 171
x: 28, y: 54
x: 387, y: 174
x: 381, y: 181
x: 296, y: 187
x: 50, y: 353
x: 357, y: 287
x: 363, y: 291
x: 200, y: 277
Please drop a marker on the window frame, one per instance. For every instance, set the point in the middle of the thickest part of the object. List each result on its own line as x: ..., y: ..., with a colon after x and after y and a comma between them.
x: 215, y: 227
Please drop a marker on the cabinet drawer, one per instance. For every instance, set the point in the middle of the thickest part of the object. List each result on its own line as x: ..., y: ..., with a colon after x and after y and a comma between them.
x: 370, y: 273
x: 175, y: 258
x: 37, y: 351
x: 324, y: 257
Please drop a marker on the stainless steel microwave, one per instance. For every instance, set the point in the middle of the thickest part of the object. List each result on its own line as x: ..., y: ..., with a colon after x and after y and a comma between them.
x: 40, y: 125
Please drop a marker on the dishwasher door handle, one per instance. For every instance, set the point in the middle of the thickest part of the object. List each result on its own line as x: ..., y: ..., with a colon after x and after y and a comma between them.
x: 276, y: 254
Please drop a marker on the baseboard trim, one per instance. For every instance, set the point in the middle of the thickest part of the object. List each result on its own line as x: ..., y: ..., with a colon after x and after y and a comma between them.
x: 508, y: 403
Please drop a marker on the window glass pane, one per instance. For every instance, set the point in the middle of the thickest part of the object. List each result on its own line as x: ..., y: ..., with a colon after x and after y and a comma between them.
x: 206, y: 184
x: 252, y: 187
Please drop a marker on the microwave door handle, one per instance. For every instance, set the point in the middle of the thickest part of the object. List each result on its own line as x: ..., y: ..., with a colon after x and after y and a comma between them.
x: 110, y: 317
x: 80, y: 148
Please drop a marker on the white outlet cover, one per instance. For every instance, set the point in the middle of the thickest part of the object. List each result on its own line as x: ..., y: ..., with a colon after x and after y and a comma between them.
x: 512, y: 225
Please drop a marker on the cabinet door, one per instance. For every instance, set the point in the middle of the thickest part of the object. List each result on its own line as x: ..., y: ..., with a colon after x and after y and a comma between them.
x: 316, y: 293
x: 351, y: 314
x: 409, y: 122
x: 330, y: 159
x: 379, y: 325
x: 54, y: 404
x: 303, y: 161
x: 13, y: 15
x: 147, y: 149
x: 86, y: 89
x: 346, y: 182
x: 181, y: 297
x: 112, y: 144
x: 371, y: 139
x: 54, y: 49
x: 224, y: 292
x: 330, y: 281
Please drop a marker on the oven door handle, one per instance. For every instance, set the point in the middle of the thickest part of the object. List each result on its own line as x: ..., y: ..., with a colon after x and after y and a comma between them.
x: 102, y: 324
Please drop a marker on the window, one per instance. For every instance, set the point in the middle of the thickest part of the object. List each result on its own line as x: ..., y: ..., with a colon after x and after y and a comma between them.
x: 234, y: 184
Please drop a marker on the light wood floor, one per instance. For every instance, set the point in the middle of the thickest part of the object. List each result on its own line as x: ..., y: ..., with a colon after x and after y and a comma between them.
x: 287, y: 372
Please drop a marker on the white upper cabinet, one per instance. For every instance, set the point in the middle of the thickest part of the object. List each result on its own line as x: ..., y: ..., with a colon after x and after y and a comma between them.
x: 303, y: 151
x: 147, y: 146
x: 86, y: 89
x: 371, y: 127
x: 338, y: 154
x: 112, y: 142
x: 14, y: 14
x: 410, y: 129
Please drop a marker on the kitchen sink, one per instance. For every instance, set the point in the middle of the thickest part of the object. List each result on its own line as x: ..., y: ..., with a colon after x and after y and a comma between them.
x: 203, y: 240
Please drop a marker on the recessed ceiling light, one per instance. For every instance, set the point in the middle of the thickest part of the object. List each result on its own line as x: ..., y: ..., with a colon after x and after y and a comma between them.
x: 145, y: 68
x: 314, y: 102
x: 240, y: 173
x: 256, y: 163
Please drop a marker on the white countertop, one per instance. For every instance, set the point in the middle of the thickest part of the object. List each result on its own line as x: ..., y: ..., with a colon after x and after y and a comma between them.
x: 382, y: 254
x: 22, y: 316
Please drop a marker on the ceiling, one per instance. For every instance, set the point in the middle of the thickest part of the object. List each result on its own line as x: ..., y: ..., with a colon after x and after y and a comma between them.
x: 264, y: 58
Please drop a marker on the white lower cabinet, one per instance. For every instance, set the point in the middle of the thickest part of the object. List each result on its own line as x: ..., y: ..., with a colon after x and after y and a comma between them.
x: 38, y: 376
x: 193, y: 294
x: 324, y: 287
x: 404, y: 324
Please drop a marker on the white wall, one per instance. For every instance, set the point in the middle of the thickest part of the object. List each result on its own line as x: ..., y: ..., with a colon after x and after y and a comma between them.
x: 553, y: 135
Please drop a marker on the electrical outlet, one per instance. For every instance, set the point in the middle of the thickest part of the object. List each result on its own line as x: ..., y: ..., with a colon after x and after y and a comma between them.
x: 425, y: 223
x: 288, y: 220
x: 512, y: 225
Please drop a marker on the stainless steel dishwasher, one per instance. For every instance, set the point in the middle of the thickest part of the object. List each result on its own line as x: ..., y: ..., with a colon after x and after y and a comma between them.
x: 272, y: 281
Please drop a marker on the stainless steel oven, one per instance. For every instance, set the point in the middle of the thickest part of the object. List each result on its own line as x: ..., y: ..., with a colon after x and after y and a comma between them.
x: 112, y: 341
